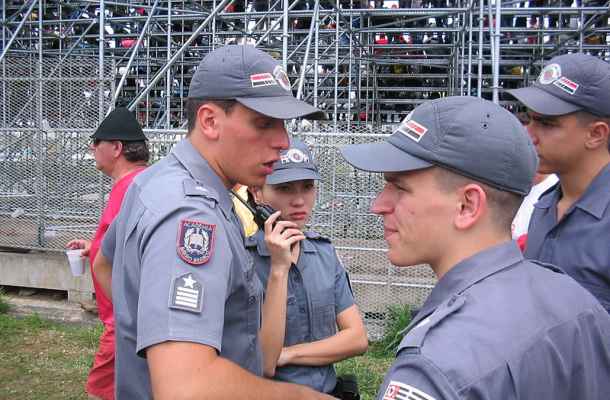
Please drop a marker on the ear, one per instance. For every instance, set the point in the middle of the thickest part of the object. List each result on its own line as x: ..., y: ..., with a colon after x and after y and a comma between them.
x: 597, y: 135
x: 471, y: 206
x: 208, y: 120
x: 117, y: 148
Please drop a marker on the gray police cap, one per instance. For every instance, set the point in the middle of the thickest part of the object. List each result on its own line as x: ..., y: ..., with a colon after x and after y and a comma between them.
x: 569, y: 83
x: 467, y: 135
x: 251, y: 77
x: 295, y: 164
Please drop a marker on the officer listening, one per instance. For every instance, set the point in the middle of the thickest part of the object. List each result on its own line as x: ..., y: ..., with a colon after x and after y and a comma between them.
x: 496, y: 326
x: 307, y: 290
x: 569, y: 110
x: 187, y: 299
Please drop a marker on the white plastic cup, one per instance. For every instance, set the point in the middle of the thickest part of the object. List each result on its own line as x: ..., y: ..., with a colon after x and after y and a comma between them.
x: 77, y: 263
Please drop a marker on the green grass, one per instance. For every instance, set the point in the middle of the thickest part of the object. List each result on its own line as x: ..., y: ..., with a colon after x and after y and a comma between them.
x: 3, y: 304
x: 46, y: 360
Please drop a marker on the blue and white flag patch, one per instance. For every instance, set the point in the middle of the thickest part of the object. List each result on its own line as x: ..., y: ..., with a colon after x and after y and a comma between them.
x: 186, y: 294
x: 195, y: 241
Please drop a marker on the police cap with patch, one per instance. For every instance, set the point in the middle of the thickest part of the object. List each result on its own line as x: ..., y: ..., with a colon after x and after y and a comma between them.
x: 468, y: 135
x: 120, y: 124
x: 295, y: 164
x: 252, y: 78
x: 569, y: 83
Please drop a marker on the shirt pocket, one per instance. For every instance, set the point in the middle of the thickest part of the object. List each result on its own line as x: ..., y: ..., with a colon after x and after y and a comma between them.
x: 324, y: 318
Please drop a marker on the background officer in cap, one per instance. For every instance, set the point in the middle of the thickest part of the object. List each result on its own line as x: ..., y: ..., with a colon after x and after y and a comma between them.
x: 120, y: 151
x: 186, y: 298
x: 307, y: 293
x: 495, y: 326
x: 569, y: 109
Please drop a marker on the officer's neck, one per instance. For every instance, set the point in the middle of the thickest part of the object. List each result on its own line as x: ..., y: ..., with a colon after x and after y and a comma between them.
x: 575, y: 180
x: 464, y: 245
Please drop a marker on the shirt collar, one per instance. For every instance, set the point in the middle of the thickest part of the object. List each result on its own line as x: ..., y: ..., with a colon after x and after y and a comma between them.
x: 594, y: 201
x: 597, y: 196
x: 200, y: 170
x: 468, y: 272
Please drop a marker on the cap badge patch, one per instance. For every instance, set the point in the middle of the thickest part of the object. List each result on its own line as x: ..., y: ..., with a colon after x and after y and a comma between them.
x: 282, y: 77
x: 549, y: 74
x: 566, y: 85
x: 195, y: 241
x: 295, y: 156
x: 264, y: 79
x: 412, y: 129
x: 186, y: 294
x: 401, y: 391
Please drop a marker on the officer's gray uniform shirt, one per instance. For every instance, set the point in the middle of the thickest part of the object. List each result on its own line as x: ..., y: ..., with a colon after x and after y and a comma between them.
x: 578, y: 243
x: 180, y: 270
x: 497, y: 326
x: 318, y: 291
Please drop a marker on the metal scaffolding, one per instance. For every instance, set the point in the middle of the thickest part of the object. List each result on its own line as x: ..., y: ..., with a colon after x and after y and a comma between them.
x: 64, y: 65
x: 369, y: 65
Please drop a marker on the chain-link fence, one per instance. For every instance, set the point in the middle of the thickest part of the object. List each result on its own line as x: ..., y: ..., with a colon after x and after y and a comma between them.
x: 50, y: 190
x: 343, y: 213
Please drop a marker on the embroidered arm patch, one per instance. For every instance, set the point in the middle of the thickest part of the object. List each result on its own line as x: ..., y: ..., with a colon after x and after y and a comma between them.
x: 195, y: 241
x: 186, y: 294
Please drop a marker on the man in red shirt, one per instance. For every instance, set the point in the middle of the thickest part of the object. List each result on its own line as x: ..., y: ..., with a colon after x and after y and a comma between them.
x: 120, y: 151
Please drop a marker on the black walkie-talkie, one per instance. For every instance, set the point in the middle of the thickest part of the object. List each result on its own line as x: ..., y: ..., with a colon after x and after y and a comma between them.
x: 261, y: 212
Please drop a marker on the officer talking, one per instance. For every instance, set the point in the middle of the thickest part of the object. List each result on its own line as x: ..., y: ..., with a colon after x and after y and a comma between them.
x: 569, y: 110
x: 495, y: 326
x: 187, y: 299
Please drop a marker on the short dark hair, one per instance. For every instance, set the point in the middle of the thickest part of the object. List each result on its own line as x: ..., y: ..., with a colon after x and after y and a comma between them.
x: 136, y: 152
x: 193, y: 104
x: 503, y: 205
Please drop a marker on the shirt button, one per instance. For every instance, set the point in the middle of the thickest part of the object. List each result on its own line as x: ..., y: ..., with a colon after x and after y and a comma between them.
x: 452, y: 301
x: 302, y: 310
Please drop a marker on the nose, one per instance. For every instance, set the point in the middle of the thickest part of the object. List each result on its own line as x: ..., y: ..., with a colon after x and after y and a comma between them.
x: 280, y: 138
x: 298, y: 200
x: 531, y: 131
x: 381, y: 205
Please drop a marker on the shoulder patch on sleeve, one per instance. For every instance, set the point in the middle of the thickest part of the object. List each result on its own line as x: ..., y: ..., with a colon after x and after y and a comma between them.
x: 186, y: 294
x: 401, y: 391
x: 195, y: 241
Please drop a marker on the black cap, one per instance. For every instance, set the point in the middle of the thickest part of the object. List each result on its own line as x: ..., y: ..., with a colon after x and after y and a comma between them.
x: 120, y: 124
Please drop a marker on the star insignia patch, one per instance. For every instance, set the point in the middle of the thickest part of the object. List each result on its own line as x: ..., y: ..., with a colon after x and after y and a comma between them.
x: 186, y: 294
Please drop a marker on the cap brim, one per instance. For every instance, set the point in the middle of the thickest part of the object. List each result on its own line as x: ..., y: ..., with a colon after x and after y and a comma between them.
x: 282, y: 107
x: 542, y: 102
x: 382, y: 157
x: 291, y: 175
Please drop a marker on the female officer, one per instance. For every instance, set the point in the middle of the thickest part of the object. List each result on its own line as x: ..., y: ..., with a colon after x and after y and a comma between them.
x: 307, y: 293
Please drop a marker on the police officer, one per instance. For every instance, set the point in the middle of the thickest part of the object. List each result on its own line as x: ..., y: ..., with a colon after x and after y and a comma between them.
x: 307, y: 294
x: 496, y: 326
x: 569, y: 110
x: 187, y: 299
